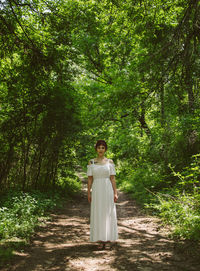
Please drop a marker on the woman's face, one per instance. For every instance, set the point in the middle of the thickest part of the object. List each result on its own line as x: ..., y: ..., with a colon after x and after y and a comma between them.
x: 101, y: 150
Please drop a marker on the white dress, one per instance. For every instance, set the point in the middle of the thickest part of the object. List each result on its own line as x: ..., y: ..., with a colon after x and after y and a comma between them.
x: 103, y: 218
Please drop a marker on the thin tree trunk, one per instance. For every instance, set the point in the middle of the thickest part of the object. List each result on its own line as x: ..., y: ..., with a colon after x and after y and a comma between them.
x: 39, y: 169
x: 25, y: 155
x: 162, y: 94
x: 192, y: 134
x: 143, y: 123
x: 189, y: 87
x: 7, y: 165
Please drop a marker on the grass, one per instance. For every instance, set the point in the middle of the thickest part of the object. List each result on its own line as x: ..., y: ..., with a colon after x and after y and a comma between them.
x: 21, y: 213
x: 178, y: 206
x: 181, y: 211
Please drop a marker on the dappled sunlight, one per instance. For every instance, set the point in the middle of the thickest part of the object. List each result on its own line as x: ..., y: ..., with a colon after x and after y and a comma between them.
x: 73, y: 73
x: 63, y: 244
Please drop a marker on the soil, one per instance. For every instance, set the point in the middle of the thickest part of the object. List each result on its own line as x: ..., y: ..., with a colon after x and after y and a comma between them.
x: 143, y: 244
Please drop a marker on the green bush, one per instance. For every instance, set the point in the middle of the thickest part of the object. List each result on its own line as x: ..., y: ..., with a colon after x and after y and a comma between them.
x: 138, y: 181
x: 180, y: 206
x: 69, y: 184
x: 189, y: 178
x: 182, y: 212
x: 20, y: 212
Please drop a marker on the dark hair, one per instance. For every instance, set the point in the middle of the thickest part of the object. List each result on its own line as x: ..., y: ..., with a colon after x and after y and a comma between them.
x: 101, y: 142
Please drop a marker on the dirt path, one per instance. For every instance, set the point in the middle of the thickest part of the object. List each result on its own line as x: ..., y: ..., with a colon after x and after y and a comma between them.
x: 62, y: 244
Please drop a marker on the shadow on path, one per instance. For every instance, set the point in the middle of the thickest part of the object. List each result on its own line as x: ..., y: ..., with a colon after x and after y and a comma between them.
x: 62, y: 244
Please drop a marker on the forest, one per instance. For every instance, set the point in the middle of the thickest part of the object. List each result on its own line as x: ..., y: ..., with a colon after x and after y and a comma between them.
x: 126, y: 71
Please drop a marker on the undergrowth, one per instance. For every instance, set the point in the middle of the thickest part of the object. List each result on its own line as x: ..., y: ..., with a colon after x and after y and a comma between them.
x: 181, y: 212
x: 21, y: 212
x: 178, y: 206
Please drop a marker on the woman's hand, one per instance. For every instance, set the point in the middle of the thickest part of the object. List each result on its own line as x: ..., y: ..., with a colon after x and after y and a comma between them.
x: 112, y: 179
x: 90, y: 181
x: 89, y: 197
x: 115, y: 197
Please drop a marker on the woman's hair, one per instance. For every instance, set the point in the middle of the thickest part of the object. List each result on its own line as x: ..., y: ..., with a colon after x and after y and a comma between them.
x: 101, y: 142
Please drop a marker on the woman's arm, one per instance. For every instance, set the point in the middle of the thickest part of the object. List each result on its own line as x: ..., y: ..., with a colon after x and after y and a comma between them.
x: 112, y: 179
x: 90, y: 181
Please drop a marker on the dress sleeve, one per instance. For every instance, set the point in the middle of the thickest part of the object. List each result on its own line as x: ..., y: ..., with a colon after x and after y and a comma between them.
x: 89, y: 170
x: 112, y: 168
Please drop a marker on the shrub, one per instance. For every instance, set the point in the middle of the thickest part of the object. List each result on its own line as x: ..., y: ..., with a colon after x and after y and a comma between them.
x: 180, y: 207
x: 181, y: 212
x: 138, y: 181
x: 20, y: 213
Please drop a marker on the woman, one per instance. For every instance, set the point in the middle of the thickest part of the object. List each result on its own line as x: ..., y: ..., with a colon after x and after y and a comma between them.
x: 101, y: 178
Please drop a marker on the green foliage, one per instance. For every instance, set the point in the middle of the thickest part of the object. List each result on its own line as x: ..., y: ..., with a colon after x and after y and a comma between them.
x: 189, y: 178
x: 181, y: 212
x: 21, y: 212
x: 139, y: 181
x: 180, y: 207
x: 39, y: 106
x: 69, y: 185
x: 73, y: 72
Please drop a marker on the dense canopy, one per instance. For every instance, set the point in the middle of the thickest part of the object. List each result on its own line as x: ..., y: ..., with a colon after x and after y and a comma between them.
x: 126, y: 71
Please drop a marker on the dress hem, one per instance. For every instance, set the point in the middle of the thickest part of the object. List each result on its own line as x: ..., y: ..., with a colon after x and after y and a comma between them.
x: 109, y: 240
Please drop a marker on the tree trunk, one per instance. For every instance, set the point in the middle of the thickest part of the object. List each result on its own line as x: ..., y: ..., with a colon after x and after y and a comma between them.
x: 162, y: 94
x: 192, y: 134
x: 39, y: 169
x: 189, y: 88
x: 143, y: 123
x: 5, y: 167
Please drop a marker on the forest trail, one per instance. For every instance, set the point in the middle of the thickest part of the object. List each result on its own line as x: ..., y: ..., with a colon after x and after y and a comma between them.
x: 143, y: 245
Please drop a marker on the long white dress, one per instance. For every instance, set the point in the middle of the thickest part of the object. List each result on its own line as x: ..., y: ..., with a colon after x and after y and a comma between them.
x: 103, y: 217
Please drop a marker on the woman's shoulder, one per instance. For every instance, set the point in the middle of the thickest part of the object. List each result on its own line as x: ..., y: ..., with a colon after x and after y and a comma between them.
x: 91, y: 161
x: 94, y: 160
x: 110, y: 161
